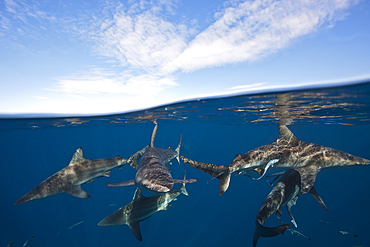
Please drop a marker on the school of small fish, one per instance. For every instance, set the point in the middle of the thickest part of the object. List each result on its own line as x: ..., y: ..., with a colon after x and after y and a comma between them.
x: 301, y: 160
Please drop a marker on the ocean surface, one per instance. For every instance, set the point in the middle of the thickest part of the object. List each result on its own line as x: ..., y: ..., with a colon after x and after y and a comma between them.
x: 213, y: 131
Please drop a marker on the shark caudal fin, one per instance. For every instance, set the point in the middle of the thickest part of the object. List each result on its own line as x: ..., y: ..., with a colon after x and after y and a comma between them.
x: 263, y: 231
x: 220, y: 172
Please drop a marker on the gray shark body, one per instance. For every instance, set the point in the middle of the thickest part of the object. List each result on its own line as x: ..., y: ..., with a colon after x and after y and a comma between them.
x: 152, y: 172
x: 69, y: 179
x: 141, y: 208
x: 285, y: 192
x: 286, y: 152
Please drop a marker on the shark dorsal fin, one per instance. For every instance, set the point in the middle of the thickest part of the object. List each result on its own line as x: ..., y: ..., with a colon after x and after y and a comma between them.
x: 154, y: 134
x: 77, y: 156
x: 138, y: 193
x: 286, y: 136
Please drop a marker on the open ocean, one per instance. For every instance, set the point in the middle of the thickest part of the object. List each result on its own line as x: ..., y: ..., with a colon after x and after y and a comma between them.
x: 213, y: 130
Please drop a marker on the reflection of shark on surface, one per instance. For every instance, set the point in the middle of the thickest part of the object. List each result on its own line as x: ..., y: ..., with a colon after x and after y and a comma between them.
x: 141, y: 208
x: 152, y: 172
x: 286, y: 152
x: 69, y: 179
x: 285, y: 191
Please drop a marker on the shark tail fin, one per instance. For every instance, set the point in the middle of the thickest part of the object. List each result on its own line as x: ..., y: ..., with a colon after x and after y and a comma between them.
x: 315, y: 195
x: 263, y: 231
x: 220, y: 172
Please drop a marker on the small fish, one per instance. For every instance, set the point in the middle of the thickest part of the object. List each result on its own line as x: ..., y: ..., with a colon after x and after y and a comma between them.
x: 58, y: 234
x: 10, y: 244
x: 112, y: 205
x: 25, y: 243
x: 292, y: 231
x: 324, y: 221
x: 348, y: 233
x: 76, y: 224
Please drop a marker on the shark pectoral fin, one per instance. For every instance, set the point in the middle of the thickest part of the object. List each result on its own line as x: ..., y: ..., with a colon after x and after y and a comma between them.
x: 106, y: 174
x: 77, y: 192
x: 289, y: 205
x: 187, y: 181
x: 125, y: 183
x: 135, y: 229
x: 291, y: 216
x: 315, y: 195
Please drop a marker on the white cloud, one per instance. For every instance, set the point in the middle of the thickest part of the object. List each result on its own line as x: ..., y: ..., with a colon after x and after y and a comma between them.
x: 254, y: 29
x: 103, y: 81
x: 150, y: 47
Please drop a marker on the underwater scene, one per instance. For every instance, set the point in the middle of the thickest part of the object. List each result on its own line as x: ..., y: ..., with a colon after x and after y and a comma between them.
x: 255, y: 170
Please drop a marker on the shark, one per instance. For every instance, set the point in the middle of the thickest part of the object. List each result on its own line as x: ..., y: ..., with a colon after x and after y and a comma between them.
x: 285, y: 192
x: 79, y: 171
x: 152, y: 172
x: 286, y: 152
x: 308, y: 176
x: 141, y: 208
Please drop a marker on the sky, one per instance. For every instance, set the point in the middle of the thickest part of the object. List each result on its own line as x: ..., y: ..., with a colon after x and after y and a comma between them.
x: 101, y: 57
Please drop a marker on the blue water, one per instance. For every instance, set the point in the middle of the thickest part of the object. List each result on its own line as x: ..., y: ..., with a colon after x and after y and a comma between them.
x: 213, y: 131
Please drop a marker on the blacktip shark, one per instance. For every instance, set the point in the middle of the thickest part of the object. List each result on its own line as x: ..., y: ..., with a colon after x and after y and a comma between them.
x: 69, y: 179
x: 285, y: 192
x: 141, y: 208
x: 286, y: 152
x: 152, y: 172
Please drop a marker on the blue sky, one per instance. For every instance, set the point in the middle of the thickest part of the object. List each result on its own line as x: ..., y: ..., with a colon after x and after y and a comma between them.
x: 93, y: 57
